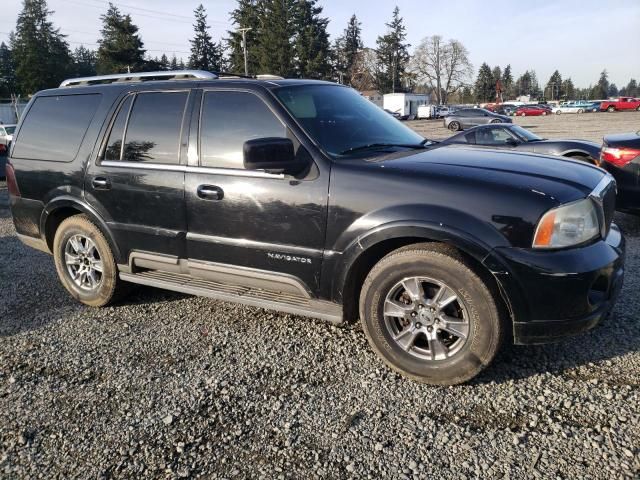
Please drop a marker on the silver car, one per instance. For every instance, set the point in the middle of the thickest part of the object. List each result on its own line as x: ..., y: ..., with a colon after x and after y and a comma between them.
x: 6, y: 135
x: 472, y: 117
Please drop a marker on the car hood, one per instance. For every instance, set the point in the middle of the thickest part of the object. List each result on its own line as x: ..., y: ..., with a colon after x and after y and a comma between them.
x: 561, y: 179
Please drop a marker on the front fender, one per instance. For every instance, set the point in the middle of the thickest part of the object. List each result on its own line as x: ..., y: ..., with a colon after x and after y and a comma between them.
x: 77, y: 204
x: 467, y: 233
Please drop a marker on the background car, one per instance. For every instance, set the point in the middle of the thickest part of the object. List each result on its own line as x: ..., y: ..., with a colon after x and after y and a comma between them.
x: 6, y: 134
x: 470, y: 117
x: 530, y: 111
x: 621, y: 157
x: 514, y: 137
x: 593, y: 107
x: 568, y: 108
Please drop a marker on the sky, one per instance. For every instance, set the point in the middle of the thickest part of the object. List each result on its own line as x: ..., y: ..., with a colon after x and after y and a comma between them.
x: 580, y: 38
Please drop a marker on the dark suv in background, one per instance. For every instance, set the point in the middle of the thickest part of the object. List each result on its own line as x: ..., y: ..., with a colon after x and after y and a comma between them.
x: 304, y: 197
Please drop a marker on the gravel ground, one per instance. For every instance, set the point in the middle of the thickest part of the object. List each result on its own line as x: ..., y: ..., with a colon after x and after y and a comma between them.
x: 170, y: 386
x: 586, y: 126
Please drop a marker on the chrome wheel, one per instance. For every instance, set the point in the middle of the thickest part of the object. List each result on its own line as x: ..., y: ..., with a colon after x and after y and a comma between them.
x: 83, y: 262
x: 426, y: 318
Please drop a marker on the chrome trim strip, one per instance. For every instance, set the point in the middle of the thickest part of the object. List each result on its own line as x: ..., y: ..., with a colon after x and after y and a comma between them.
x: 243, y: 242
x: 602, y: 186
x: 134, y: 77
x: 184, y: 168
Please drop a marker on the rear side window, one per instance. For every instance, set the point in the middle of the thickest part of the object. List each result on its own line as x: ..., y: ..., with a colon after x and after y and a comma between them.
x: 228, y: 120
x: 153, y: 130
x: 55, y: 126
x: 114, y: 144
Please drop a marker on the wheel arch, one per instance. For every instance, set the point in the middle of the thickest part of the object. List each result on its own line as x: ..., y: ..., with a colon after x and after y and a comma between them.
x: 62, y: 208
x: 358, y: 260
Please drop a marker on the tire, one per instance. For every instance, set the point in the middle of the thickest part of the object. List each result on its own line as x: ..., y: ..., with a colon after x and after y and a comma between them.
x: 580, y: 110
x: 496, y: 121
x: 454, y: 126
x: 460, y: 359
x: 611, y: 108
x: 544, y: 113
x: 581, y: 158
x: 638, y: 108
x: 558, y: 112
x: 523, y: 114
x: 105, y: 287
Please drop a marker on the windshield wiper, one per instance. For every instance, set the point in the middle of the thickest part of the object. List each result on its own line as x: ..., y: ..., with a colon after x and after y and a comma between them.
x: 379, y: 145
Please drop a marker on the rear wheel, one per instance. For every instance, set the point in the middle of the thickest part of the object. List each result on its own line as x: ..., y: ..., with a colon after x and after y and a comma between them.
x: 544, y: 113
x: 496, y: 121
x: 611, y: 108
x: 85, y: 263
x: 558, y: 112
x: 523, y: 114
x: 454, y: 126
x: 580, y: 110
x: 430, y: 316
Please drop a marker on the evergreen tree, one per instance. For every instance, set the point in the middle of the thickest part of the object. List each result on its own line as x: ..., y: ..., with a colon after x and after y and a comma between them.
x: 601, y: 90
x: 205, y: 53
x: 164, y: 62
x: 39, y: 51
x: 568, y: 89
x: 554, y: 86
x: 485, y: 88
x: 347, y: 48
x: 244, y: 16
x: 274, y: 48
x: 527, y: 84
x: 84, y: 62
x: 632, y: 88
x: 181, y: 65
x: 173, y: 65
x: 393, y: 55
x: 120, y: 46
x: 507, y: 82
x: 613, y: 90
x: 311, y: 41
x: 7, y: 72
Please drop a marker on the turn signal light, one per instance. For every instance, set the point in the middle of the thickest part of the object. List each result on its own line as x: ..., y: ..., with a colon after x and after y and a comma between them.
x: 619, y: 157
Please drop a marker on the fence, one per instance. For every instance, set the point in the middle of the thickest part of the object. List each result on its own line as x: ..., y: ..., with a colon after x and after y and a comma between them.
x: 10, y: 111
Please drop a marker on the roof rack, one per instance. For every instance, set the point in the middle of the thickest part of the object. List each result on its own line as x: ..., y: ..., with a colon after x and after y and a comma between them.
x: 140, y: 77
x: 268, y: 76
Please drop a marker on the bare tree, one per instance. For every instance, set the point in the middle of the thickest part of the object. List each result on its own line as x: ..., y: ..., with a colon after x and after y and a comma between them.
x: 365, y: 70
x: 444, y: 65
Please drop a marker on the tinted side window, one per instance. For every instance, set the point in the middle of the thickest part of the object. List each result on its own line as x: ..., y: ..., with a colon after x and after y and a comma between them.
x: 153, y: 131
x: 114, y: 144
x: 228, y: 120
x: 55, y: 126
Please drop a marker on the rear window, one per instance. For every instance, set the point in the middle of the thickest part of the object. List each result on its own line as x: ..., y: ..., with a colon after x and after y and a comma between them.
x: 55, y: 126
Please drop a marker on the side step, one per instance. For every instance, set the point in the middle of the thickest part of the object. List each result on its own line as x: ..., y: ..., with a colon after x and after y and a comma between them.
x: 283, y: 302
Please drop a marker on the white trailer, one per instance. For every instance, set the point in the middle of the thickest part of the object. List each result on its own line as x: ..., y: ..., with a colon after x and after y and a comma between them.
x: 406, y: 104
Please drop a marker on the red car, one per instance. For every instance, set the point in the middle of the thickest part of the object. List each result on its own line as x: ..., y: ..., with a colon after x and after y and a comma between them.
x: 530, y: 111
x: 622, y: 103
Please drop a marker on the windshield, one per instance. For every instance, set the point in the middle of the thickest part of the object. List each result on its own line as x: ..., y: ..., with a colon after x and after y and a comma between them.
x: 342, y: 121
x: 525, y: 134
x: 10, y: 130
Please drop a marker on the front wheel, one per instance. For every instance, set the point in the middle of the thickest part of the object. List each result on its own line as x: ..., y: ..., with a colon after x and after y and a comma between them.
x: 454, y: 126
x: 496, y: 121
x: 580, y: 110
x: 544, y: 113
x: 611, y: 109
x: 84, y: 262
x: 558, y: 112
x: 430, y: 316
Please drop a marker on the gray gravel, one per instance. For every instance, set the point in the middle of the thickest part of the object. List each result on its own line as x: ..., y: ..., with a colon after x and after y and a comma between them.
x: 172, y: 386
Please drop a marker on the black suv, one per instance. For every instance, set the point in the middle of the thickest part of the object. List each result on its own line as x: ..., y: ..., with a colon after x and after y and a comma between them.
x: 304, y: 197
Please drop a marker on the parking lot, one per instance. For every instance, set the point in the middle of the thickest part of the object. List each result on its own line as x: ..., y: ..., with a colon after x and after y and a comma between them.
x: 586, y: 126
x: 168, y: 385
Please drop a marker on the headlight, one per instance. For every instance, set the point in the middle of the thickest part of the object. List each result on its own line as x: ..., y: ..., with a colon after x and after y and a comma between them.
x: 567, y: 225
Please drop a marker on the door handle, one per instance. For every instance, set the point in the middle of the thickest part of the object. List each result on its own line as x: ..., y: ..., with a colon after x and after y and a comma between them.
x: 101, y: 183
x: 210, y: 192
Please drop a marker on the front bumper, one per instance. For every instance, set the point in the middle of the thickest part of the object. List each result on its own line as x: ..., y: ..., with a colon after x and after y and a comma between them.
x: 555, y: 294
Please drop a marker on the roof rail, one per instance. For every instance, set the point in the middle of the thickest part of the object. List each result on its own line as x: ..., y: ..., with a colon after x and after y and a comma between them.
x: 140, y: 77
x: 269, y: 76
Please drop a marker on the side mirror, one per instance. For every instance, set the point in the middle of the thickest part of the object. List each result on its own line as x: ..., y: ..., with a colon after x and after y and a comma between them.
x: 271, y: 154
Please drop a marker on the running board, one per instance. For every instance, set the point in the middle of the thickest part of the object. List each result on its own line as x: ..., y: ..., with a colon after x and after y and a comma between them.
x: 255, y: 297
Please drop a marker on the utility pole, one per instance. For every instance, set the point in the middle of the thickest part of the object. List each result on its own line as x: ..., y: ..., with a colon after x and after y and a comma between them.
x: 244, y: 48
